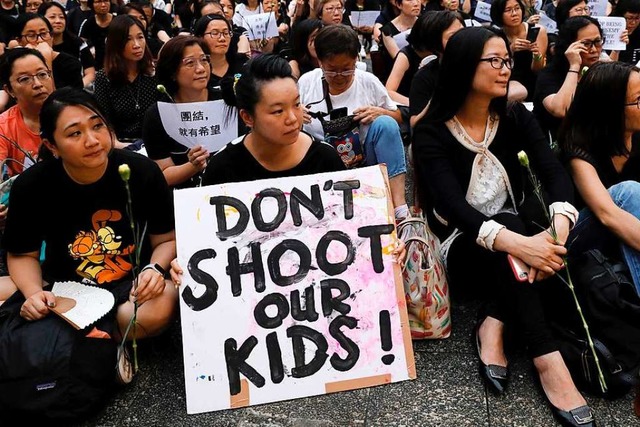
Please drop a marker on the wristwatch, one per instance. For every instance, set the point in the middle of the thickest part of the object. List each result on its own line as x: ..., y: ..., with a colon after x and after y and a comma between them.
x: 157, y: 267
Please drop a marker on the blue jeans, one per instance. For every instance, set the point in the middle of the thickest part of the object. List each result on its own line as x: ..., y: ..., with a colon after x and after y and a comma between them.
x: 383, y: 144
x: 589, y: 233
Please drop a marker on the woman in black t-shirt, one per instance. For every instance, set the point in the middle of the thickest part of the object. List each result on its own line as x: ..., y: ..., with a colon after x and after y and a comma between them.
x: 604, y: 161
x: 183, y: 68
x: 64, y: 41
x: 89, y: 238
x: 409, y: 12
x: 630, y: 11
x: 95, y: 29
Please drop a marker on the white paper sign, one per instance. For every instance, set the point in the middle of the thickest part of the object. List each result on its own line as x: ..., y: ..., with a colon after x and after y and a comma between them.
x: 483, y: 11
x: 365, y: 18
x: 261, y: 26
x: 597, y: 7
x: 289, y: 289
x: 401, y: 38
x: 548, y: 23
x: 612, y: 29
x: 472, y: 23
x: 199, y: 123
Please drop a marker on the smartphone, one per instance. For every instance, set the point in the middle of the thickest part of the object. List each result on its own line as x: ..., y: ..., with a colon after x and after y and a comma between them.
x: 520, y: 269
x: 338, y: 113
x: 532, y: 35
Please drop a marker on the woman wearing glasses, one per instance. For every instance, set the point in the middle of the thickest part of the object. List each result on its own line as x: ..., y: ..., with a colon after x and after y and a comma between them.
x: 472, y: 186
x: 126, y: 87
x: 360, y: 94
x: 36, y: 32
x: 26, y: 77
x: 604, y: 161
x: 569, y: 8
x: 630, y: 11
x: 579, y: 45
x: 329, y: 11
x: 184, y: 69
x: 216, y: 33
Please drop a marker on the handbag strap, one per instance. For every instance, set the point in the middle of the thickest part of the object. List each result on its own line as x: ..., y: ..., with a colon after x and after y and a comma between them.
x: 419, y: 240
x: 327, y: 97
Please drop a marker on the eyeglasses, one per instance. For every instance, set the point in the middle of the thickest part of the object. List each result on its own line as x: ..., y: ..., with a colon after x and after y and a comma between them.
x: 204, y: 60
x: 634, y: 103
x: 334, y: 9
x: 332, y: 74
x: 593, y: 43
x: 513, y: 10
x: 632, y: 18
x: 498, y: 63
x: 581, y: 10
x: 216, y: 34
x: 33, y: 38
x: 28, y: 79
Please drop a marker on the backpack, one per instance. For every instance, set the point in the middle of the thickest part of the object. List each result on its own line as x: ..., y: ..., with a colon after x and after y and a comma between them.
x: 611, y: 308
x: 48, y: 369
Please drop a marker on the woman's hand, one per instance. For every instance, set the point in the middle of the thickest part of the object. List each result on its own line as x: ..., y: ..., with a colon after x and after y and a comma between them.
x: 535, y: 50
x: 176, y: 272
x: 150, y: 285
x: 198, y: 156
x: 37, y: 305
x: 533, y: 19
x: 366, y: 115
x: 542, y: 254
x: 520, y: 45
x: 573, y: 53
x: 365, y: 29
x: 624, y: 37
x: 306, y: 117
x: 399, y: 253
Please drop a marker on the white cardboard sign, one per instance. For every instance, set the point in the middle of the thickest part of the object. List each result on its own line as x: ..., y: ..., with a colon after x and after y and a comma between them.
x: 548, y: 23
x: 365, y: 18
x: 289, y: 289
x: 597, y: 7
x: 483, y: 11
x: 199, y: 123
x: 612, y: 29
x: 261, y: 26
x: 401, y: 38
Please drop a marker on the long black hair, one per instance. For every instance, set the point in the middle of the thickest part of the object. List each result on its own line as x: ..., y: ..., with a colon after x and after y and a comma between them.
x: 599, y: 131
x: 457, y: 70
x: 426, y: 33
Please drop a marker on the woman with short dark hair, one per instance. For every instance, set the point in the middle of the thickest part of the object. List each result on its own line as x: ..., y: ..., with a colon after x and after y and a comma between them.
x: 126, y: 87
x: 473, y: 188
x: 630, y: 11
x: 95, y: 29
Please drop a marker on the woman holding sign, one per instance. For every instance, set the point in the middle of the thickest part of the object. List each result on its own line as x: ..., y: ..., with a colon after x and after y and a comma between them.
x: 183, y: 68
x: 473, y: 187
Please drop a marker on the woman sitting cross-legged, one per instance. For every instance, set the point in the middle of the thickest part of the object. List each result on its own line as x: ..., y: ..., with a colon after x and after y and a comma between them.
x: 470, y: 182
x: 604, y: 160
x: 83, y: 178
x: 338, y: 85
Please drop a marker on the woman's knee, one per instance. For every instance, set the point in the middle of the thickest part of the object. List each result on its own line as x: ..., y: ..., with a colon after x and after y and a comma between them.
x: 155, y: 315
x: 626, y: 195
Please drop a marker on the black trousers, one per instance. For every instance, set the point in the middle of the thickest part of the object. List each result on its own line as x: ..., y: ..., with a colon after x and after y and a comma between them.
x: 475, y: 272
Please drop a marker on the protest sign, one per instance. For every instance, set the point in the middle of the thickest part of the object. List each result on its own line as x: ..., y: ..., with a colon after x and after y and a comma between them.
x: 548, y: 23
x: 199, y: 123
x: 261, y: 26
x: 401, y: 38
x: 365, y: 18
x: 483, y: 11
x: 289, y: 289
x: 597, y: 7
x: 612, y: 29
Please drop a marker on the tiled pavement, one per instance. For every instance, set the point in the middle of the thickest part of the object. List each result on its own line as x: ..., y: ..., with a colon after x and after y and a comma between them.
x: 447, y: 392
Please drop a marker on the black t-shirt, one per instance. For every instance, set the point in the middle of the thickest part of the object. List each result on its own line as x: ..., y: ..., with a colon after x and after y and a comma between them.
x: 67, y: 71
x: 160, y: 145
x: 422, y: 87
x: 97, y: 37
x: 414, y: 62
x: 76, y: 47
x: 235, y: 66
x: 234, y: 163
x: 160, y: 21
x: 631, y: 54
x: 550, y: 80
x: 86, y: 227
x: 76, y: 17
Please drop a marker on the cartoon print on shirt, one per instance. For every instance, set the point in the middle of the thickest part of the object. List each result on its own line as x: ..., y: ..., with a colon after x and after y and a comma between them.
x: 100, y: 250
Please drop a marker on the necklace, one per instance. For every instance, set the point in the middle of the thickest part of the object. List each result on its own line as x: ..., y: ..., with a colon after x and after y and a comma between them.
x: 135, y: 97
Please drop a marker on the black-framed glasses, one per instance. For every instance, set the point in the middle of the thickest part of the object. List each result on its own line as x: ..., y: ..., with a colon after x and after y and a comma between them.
x: 33, y: 38
x: 497, y: 62
x: 215, y: 34
x: 593, y: 43
x: 636, y: 103
x: 28, y: 79
x: 204, y: 60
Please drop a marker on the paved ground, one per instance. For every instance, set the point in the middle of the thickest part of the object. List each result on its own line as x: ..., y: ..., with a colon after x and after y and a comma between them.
x: 447, y: 392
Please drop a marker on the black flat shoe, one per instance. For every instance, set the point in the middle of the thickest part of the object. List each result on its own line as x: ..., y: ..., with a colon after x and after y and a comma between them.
x: 495, y: 376
x: 579, y: 417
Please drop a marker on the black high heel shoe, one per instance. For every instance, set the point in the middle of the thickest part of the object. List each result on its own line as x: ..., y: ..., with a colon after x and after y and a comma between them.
x: 495, y: 376
x: 578, y: 417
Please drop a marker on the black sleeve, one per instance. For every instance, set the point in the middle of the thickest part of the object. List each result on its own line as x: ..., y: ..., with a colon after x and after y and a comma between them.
x: 422, y: 87
x: 23, y: 233
x: 156, y: 140
x: 548, y: 83
x: 86, y: 58
x: 156, y: 198
x: 67, y: 71
x: 102, y: 88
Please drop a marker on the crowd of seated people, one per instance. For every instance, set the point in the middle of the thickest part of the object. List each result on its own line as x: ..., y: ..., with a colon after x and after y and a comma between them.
x: 460, y: 95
